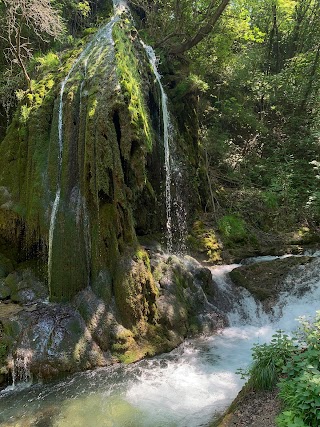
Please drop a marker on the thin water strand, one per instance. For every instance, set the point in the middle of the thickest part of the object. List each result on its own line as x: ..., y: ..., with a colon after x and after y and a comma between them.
x: 167, y: 130
x: 104, y: 33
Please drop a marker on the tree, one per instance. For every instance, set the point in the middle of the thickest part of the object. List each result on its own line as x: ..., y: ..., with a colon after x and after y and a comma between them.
x: 179, y: 25
x: 23, y: 18
x: 212, y: 16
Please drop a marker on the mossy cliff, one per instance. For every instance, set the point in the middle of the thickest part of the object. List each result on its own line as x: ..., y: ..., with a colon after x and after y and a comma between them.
x: 107, y: 140
x: 81, y: 179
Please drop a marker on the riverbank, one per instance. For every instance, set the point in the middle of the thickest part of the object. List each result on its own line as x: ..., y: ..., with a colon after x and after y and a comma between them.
x: 251, y: 409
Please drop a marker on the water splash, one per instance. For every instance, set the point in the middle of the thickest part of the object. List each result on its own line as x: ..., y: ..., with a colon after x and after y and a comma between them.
x: 239, y: 305
x: 20, y: 368
x: 120, y: 6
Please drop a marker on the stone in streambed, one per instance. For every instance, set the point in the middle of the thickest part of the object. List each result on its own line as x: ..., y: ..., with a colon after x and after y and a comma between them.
x: 268, y: 279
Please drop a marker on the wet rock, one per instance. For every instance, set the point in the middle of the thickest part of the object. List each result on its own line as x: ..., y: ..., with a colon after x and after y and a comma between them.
x: 164, y: 299
x: 4, y: 291
x: 267, y: 280
x: 24, y: 287
x: 97, y: 316
x: 6, y: 266
x: 52, y: 339
x: 8, y: 310
x: 185, y: 302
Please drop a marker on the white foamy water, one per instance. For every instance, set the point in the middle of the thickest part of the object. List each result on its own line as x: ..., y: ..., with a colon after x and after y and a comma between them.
x: 185, y: 388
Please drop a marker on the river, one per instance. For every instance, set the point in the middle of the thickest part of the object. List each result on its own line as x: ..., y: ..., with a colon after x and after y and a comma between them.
x: 187, y: 387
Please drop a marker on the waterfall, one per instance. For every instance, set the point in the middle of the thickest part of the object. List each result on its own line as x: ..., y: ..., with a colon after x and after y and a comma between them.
x: 20, y: 369
x: 167, y: 137
x: 239, y: 305
x: 100, y: 37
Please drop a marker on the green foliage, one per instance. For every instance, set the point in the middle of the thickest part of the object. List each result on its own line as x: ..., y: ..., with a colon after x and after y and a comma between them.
x: 233, y: 228
x: 296, y: 362
x: 300, y: 388
x: 48, y: 62
x: 269, y: 361
x: 191, y: 84
x: 25, y: 112
x: 289, y: 418
x: 84, y: 8
x: 32, y: 101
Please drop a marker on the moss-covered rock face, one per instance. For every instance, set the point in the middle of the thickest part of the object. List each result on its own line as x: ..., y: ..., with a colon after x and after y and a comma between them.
x: 81, y: 176
x: 135, y: 292
x: 110, y: 152
x: 154, y: 303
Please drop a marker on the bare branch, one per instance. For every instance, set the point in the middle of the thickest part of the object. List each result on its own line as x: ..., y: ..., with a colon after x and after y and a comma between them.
x: 39, y: 17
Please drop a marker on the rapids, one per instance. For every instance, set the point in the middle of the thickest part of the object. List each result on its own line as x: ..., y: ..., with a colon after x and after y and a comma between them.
x: 188, y: 387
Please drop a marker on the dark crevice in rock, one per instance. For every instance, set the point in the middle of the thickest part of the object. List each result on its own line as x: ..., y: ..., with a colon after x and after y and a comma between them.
x: 134, y: 147
x: 126, y: 171
x: 117, y: 126
x: 104, y: 198
x: 154, y: 110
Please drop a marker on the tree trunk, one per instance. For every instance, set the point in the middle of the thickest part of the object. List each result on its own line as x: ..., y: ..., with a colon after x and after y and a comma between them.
x: 312, y: 77
x: 203, y: 31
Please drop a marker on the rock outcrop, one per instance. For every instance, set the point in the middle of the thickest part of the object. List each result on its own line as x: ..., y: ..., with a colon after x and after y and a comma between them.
x: 268, y: 280
x: 82, y: 178
x: 160, y: 300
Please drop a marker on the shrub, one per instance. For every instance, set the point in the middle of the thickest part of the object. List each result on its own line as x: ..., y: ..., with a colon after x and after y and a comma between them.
x: 269, y: 361
x: 289, y: 418
x: 296, y: 362
x: 233, y: 229
x: 48, y: 62
x: 300, y: 388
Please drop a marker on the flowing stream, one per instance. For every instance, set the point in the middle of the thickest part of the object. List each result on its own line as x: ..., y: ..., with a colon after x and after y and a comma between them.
x: 187, y: 387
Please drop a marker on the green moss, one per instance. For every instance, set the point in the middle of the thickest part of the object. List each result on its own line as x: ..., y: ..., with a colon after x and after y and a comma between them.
x: 136, y: 292
x: 203, y: 239
x: 92, y: 108
x: 125, y: 347
x: 142, y: 255
x: 3, y: 352
x: 6, y: 266
x: 132, y: 347
x: 128, y: 71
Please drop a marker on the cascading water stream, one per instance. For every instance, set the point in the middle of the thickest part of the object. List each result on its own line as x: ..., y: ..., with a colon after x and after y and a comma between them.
x: 104, y: 33
x: 166, y: 139
x: 187, y: 387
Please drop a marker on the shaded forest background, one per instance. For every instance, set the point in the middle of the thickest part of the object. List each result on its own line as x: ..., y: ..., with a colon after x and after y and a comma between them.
x: 243, y: 80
